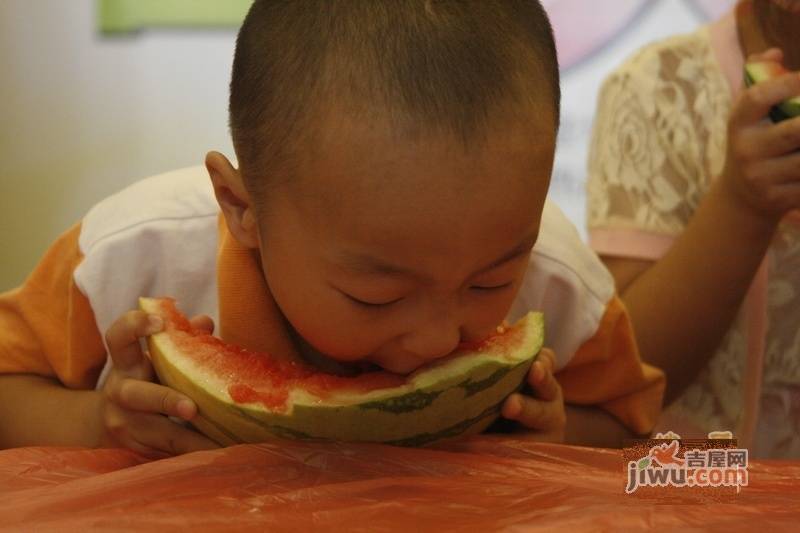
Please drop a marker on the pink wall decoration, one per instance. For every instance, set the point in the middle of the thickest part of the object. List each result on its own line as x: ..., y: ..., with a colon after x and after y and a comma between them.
x: 584, y: 27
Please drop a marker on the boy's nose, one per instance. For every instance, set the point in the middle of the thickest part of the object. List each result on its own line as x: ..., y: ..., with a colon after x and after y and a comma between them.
x: 432, y: 340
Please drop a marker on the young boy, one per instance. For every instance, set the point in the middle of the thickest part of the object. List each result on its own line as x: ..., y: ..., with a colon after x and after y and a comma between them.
x: 393, y: 163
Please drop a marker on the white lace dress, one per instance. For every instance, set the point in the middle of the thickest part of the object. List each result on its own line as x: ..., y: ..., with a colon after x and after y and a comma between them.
x: 658, y: 142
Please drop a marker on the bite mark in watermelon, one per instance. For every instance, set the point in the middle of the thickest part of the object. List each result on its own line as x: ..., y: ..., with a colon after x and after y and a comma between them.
x: 758, y: 72
x: 245, y: 396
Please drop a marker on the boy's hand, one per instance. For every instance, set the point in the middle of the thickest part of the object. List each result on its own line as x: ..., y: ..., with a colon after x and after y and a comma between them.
x: 134, y: 411
x: 544, y: 411
x: 762, y: 167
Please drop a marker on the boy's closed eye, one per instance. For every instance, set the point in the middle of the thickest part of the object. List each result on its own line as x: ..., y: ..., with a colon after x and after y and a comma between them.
x: 493, y: 287
x: 368, y: 303
x: 378, y: 303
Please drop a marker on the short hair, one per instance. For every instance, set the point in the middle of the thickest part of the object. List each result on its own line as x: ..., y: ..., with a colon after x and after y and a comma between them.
x: 446, y: 65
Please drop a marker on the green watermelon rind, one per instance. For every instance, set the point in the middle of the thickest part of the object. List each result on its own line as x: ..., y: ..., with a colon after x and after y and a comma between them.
x: 428, y: 424
x: 753, y: 74
x: 455, y: 397
x: 472, y: 425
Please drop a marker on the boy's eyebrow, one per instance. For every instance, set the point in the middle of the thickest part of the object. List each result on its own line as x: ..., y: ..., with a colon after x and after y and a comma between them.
x: 522, y: 248
x: 366, y: 264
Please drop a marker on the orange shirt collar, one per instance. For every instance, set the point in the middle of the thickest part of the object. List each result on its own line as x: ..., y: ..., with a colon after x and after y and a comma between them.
x: 248, y: 314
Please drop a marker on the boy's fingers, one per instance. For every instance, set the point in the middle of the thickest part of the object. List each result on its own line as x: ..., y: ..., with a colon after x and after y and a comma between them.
x: 203, y: 322
x: 540, y: 376
x: 532, y: 413
x: 147, y: 397
x: 548, y: 359
x: 544, y: 384
x: 160, y: 433
x: 756, y: 101
x: 118, y: 431
x: 151, y: 453
x: 123, y: 337
x: 512, y: 407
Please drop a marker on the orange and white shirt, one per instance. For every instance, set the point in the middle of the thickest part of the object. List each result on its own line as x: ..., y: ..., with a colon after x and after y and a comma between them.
x: 164, y: 236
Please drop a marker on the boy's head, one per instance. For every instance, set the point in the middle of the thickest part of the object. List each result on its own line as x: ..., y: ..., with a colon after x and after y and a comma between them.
x: 394, y: 157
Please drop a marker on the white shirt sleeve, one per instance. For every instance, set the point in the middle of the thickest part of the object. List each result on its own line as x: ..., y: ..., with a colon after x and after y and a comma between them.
x: 567, y: 282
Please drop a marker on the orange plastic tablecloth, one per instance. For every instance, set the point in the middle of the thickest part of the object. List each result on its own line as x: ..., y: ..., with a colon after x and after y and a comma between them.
x: 488, y: 483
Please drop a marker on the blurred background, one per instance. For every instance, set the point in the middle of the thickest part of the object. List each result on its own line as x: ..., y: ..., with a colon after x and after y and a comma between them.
x: 96, y: 94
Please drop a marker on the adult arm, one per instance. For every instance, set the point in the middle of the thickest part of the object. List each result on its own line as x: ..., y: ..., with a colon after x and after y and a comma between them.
x: 682, y: 305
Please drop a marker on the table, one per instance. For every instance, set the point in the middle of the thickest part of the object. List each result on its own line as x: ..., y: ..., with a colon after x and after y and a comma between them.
x: 487, y: 483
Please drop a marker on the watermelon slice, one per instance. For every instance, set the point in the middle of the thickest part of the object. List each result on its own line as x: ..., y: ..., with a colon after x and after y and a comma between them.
x: 758, y: 72
x: 244, y: 396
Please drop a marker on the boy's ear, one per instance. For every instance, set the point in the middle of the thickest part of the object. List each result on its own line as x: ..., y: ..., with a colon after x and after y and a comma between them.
x: 233, y: 199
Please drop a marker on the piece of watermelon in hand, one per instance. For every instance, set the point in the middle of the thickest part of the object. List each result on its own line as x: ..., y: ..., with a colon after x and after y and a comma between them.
x: 244, y: 396
x: 760, y: 71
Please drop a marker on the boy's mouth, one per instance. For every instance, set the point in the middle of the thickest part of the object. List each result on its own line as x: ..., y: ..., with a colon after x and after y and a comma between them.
x: 329, y: 365
x: 339, y: 368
